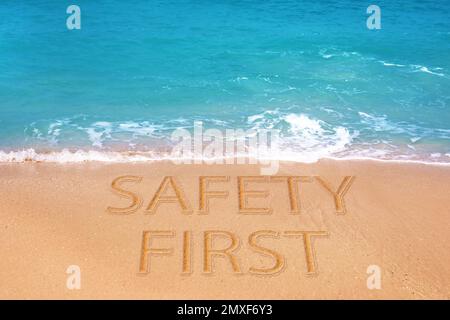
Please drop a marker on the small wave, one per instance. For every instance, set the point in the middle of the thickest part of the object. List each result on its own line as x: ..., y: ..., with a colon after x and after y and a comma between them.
x: 99, y: 132
x: 333, y: 52
x: 415, y: 68
x: 96, y: 134
x: 419, y: 68
x: 388, y: 64
x: 239, y: 79
x: 67, y: 156
x: 80, y: 156
x: 303, y: 137
x: 379, y: 123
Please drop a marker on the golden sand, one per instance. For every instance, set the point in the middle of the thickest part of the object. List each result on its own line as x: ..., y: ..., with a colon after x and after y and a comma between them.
x: 160, y: 230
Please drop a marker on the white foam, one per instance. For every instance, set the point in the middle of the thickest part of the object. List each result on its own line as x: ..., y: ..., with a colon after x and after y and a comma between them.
x: 301, y: 122
x: 67, y: 156
x: 303, y: 138
x: 425, y: 69
x: 416, y: 68
x: 54, y: 131
x: 325, y: 53
x: 137, y: 128
x: 379, y: 123
x: 419, y: 68
x: 388, y: 64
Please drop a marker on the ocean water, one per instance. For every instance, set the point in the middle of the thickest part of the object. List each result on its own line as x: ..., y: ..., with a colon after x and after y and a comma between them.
x: 137, y: 70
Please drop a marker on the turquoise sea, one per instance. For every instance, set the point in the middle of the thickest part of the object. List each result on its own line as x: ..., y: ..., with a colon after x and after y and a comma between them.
x: 137, y: 70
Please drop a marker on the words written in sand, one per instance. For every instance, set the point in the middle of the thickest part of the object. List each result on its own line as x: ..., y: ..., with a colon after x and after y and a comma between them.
x: 170, y: 191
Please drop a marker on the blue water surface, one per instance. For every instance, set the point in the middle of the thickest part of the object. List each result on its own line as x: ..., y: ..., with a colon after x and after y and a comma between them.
x: 139, y: 69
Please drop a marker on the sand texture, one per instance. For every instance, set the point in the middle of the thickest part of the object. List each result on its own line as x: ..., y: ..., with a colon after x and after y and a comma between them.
x: 159, y: 230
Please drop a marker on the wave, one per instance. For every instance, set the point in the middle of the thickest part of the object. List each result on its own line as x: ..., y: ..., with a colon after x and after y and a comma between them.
x: 332, y: 52
x: 302, y: 138
x: 303, y: 135
x: 415, y: 68
x: 414, y: 132
x: 67, y: 156
x: 419, y: 68
x: 80, y: 156
x: 389, y: 64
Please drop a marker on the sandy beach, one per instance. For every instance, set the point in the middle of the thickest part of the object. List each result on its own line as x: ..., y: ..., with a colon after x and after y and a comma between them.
x: 164, y: 231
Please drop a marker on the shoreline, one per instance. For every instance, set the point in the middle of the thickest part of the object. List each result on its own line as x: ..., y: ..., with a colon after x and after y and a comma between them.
x: 66, y: 156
